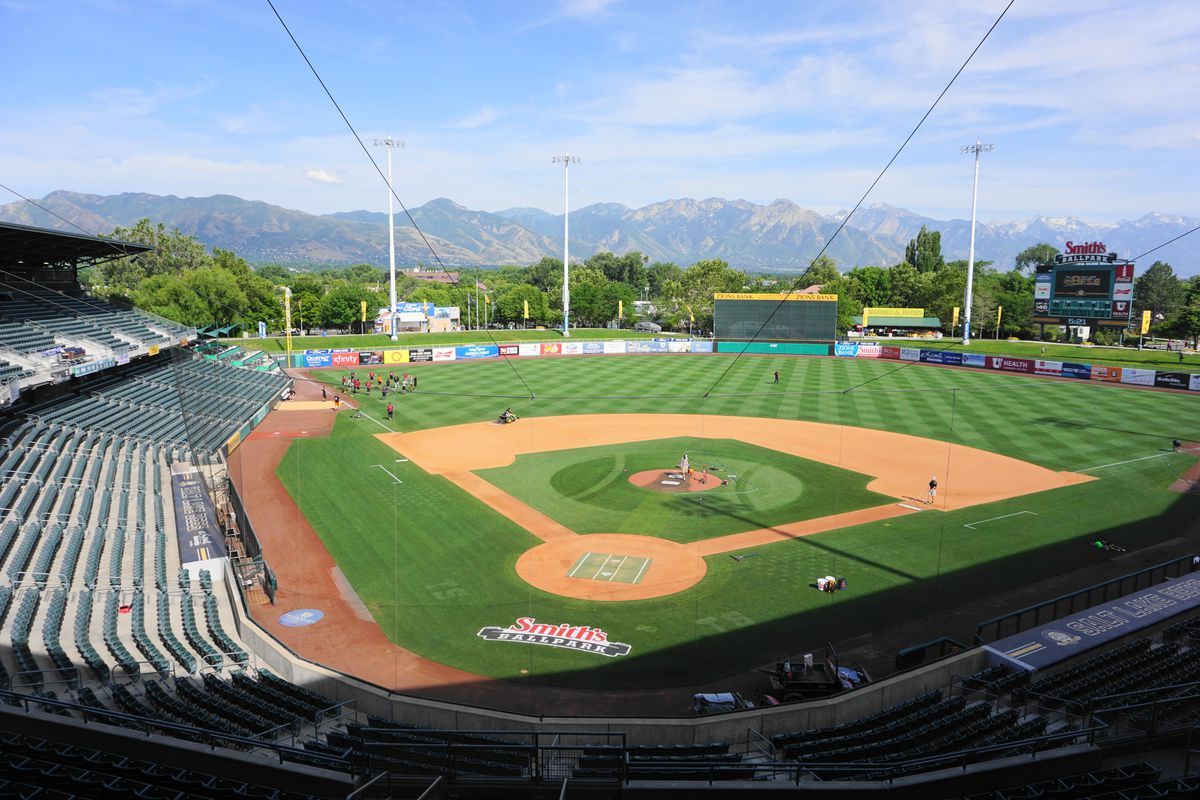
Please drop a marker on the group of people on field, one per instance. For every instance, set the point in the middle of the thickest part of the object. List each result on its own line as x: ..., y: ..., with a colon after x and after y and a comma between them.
x: 386, y: 385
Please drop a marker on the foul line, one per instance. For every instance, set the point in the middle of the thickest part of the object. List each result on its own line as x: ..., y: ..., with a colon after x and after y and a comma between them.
x: 389, y: 472
x: 362, y: 415
x: 1005, y: 516
x: 1119, y: 463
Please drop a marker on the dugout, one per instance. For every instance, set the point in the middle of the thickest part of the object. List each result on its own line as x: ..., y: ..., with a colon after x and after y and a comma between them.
x: 789, y: 317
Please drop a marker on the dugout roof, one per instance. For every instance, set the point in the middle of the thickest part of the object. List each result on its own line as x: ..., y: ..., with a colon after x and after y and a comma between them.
x: 901, y: 322
x: 23, y: 246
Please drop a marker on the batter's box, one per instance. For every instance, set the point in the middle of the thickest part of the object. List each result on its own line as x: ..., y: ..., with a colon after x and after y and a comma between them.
x: 611, y: 567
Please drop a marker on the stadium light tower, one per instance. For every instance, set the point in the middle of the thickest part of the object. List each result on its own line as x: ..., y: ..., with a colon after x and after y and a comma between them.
x: 976, y: 148
x: 566, y: 160
x: 390, y: 143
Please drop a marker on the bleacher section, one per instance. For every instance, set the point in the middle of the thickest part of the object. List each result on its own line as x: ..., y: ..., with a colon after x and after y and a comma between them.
x: 46, y: 333
x: 192, y: 403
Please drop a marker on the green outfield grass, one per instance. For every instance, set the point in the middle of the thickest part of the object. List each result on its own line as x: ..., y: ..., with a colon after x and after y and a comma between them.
x: 435, y: 565
x: 372, y: 341
x: 588, y: 489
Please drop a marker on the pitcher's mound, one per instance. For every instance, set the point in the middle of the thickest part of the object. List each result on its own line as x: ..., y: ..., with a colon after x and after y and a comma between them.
x: 672, y: 480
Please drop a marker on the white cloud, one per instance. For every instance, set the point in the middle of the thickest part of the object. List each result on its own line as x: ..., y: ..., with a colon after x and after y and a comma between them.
x: 478, y: 119
x: 322, y: 176
x: 584, y: 8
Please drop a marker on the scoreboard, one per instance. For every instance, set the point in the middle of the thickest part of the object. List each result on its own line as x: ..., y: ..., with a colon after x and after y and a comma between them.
x: 1094, y: 290
x: 778, y: 317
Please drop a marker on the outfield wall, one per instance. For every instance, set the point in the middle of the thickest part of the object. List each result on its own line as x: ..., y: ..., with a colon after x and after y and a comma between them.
x: 1028, y: 366
x: 315, y: 359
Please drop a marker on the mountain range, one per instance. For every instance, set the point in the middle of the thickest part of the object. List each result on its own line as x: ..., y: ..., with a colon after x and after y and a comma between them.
x: 777, y: 237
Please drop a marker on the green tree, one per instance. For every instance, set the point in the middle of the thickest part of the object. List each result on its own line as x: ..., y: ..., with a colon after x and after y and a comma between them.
x: 629, y: 268
x: 925, y: 251
x: 1159, y: 291
x: 822, y: 271
x: 700, y: 282
x: 658, y: 274
x: 341, y: 306
x: 510, y: 306
x: 173, y: 253
x: 546, y: 274
x: 1035, y: 255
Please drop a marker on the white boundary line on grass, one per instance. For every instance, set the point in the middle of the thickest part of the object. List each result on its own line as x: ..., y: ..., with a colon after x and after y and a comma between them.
x: 1119, y: 463
x: 993, y: 519
x: 617, y: 568
x: 389, y: 472
x: 579, y: 564
x: 645, y: 563
x: 377, y: 422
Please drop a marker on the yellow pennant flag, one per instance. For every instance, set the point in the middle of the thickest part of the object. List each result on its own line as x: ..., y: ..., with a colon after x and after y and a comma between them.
x: 620, y: 308
x: 999, y: 313
x: 691, y: 316
x: 526, y: 309
x: 1145, y: 322
x: 363, y: 308
x: 954, y: 320
x: 487, y: 301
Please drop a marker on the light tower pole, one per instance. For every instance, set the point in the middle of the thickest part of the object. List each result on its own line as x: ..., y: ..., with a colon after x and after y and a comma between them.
x: 390, y: 143
x: 566, y: 160
x: 976, y: 148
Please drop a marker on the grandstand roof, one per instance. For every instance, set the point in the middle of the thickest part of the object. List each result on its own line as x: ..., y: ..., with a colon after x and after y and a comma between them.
x: 24, y: 245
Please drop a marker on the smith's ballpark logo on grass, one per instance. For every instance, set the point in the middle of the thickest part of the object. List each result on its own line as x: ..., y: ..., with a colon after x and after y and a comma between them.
x: 528, y: 630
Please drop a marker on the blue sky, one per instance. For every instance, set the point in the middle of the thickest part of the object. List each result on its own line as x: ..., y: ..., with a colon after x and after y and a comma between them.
x: 1094, y: 107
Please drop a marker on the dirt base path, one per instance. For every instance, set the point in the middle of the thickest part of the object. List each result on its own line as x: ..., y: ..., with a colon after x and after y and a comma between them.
x: 899, y: 464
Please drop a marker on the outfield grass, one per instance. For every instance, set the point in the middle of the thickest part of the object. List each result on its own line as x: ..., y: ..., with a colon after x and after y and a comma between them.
x: 373, y: 341
x: 434, y: 565
x: 588, y: 489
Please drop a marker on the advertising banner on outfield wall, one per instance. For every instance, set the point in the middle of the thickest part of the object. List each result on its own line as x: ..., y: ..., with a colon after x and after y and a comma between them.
x: 510, y: 350
x: 870, y: 351
x: 345, y: 359
x: 702, y: 347
x: 402, y: 356
x: 572, y: 348
x: 679, y: 346
x: 910, y: 354
x: 614, y: 347
x: 974, y: 360
x: 1082, y: 371
x: 420, y: 355
x: 1054, y: 368
x: 551, y: 349
x: 845, y: 349
x: 529, y: 349
x: 318, y: 359
x: 642, y: 346
x: 889, y: 351
x: 371, y: 357
x: 1172, y: 380
x: 1010, y: 364
x: 476, y: 351
x: 1194, y: 384
x: 941, y: 357
x: 593, y: 348
x: 1106, y: 374
x: 1137, y: 377
x: 443, y: 354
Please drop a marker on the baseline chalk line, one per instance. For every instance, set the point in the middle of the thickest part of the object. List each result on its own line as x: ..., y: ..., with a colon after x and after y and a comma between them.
x: 1004, y: 516
x: 389, y: 472
x: 1119, y: 463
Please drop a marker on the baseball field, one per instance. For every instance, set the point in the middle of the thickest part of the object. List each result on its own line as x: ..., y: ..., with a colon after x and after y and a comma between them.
x: 446, y: 524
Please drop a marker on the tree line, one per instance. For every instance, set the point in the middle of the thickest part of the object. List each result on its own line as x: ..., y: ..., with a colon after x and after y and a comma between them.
x: 185, y: 282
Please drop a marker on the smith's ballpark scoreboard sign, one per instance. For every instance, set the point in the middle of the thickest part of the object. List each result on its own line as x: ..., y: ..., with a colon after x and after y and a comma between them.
x: 1085, y: 286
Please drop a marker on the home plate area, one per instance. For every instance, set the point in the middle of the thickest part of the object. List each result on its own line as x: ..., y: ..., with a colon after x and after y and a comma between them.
x: 610, y: 567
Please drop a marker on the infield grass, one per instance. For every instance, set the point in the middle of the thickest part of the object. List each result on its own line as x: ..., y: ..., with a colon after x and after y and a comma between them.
x: 588, y: 489
x: 434, y: 565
